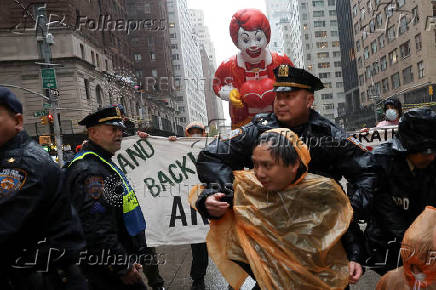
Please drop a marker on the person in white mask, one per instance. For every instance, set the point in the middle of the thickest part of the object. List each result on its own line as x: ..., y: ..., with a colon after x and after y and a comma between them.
x: 393, y: 111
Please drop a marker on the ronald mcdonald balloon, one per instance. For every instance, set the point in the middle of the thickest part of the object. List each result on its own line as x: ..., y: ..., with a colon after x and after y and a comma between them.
x: 246, y: 79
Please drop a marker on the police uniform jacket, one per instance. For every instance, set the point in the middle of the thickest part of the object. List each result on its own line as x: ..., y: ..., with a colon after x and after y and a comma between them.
x: 35, y: 211
x: 97, y: 194
x: 404, y: 193
x: 332, y: 155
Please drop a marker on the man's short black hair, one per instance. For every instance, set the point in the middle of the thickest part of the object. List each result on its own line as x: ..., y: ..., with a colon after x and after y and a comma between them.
x: 8, y: 109
x: 281, y: 148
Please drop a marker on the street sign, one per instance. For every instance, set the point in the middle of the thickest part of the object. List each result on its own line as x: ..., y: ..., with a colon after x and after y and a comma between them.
x: 46, y: 106
x: 40, y: 113
x: 48, y: 78
x: 54, y: 92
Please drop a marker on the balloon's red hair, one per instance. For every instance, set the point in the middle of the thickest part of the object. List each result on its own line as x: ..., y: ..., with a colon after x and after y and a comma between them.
x: 250, y: 20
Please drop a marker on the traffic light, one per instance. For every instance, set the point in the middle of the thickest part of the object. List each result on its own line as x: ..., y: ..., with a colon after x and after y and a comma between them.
x: 44, y: 120
x: 50, y: 118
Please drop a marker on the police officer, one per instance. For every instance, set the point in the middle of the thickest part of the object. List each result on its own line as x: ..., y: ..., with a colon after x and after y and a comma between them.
x: 112, y: 220
x: 332, y: 154
x: 39, y: 237
x: 409, y: 182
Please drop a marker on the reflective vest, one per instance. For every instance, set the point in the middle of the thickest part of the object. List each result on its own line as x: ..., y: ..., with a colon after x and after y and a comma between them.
x: 132, y: 214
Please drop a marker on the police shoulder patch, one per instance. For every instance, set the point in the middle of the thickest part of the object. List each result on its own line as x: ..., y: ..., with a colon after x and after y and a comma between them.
x: 94, y: 186
x: 357, y: 143
x: 11, y: 180
x: 234, y: 133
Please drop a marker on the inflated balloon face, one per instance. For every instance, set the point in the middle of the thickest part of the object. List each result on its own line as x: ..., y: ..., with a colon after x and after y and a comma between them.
x: 252, y: 44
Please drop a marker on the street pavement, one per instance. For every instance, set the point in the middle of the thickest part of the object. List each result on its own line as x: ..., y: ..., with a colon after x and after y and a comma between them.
x: 175, y: 272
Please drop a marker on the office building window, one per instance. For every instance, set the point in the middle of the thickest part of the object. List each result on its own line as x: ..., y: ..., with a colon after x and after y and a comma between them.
x: 418, y: 42
x: 374, y: 47
x: 323, y: 55
x: 391, y: 33
x: 319, y: 23
x: 322, y: 44
x: 405, y: 49
x: 393, y: 57
x: 395, y: 79
x: 366, y: 53
x: 403, y: 25
x: 420, y: 69
x: 320, y: 33
x: 407, y: 75
x: 385, y: 85
x: 415, y: 15
x: 383, y: 63
x: 324, y: 75
x: 137, y: 57
x: 381, y: 41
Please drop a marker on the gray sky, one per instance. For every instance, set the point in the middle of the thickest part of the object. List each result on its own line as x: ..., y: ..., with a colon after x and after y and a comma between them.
x: 217, y: 16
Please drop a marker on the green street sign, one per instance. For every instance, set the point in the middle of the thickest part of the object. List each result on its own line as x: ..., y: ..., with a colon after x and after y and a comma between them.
x: 46, y: 106
x: 48, y: 78
x: 40, y: 113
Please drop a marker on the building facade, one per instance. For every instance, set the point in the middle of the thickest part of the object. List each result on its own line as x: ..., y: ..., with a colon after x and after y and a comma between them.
x: 93, y: 65
x: 322, y: 54
x: 277, y: 13
x: 186, y: 61
x: 214, y: 105
x: 153, y: 68
x: 290, y: 32
x: 353, y: 115
x: 395, y: 47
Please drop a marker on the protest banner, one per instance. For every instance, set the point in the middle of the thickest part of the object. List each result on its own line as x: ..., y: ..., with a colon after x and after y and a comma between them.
x: 162, y: 172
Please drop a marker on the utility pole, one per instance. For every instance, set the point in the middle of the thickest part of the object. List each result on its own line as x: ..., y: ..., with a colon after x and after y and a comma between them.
x: 44, y: 43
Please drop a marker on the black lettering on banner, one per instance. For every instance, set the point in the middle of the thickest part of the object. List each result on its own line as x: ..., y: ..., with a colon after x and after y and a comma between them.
x: 177, y: 204
x: 376, y: 135
x: 364, y: 136
x: 153, y: 188
x: 163, y: 178
x: 137, y: 152
x: 194, y: 218
x: 192, y: 157
x: 142, y: 148
x: 123, y: 162
x: 183, y: 167
x: 170, y: 170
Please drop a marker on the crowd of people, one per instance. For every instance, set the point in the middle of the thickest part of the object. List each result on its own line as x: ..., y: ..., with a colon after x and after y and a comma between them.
x: 277, y: 210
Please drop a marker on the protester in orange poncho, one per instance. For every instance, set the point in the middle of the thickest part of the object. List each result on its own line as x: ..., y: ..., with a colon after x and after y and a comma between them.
x: 418, y: 252
x: 285, y: 226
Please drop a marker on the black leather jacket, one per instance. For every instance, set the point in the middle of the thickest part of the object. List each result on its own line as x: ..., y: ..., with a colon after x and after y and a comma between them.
x: 332, y: 155
x: 403, y: 195
x: 96, y: 192
x: 35, y: 212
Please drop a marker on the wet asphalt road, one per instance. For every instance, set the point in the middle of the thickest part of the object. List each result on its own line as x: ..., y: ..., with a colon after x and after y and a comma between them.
x: 176, y: 269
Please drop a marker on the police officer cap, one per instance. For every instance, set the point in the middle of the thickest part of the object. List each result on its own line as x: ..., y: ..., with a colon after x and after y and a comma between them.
x: 289, y: 78
x: 108, y: 116
x: 8, y: 99
x: 417, y: 130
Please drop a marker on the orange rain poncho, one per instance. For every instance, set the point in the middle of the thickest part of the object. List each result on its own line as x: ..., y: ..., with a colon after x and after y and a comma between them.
x: 418, y: 253
x: 291, y: 238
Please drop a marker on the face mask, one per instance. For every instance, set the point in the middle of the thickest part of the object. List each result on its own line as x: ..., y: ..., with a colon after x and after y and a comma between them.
x: 196, y: 135
x: 391, y: 115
